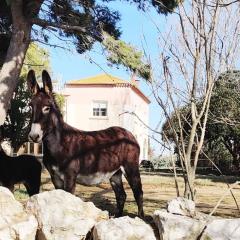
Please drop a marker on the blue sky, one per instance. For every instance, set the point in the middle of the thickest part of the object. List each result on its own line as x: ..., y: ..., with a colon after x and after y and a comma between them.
x: 138, y: 28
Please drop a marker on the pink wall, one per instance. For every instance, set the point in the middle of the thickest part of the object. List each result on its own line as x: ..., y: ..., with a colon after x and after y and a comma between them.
x: 119, y: 100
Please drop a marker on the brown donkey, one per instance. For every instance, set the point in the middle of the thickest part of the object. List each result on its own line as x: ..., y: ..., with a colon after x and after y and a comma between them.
x: 91, y: 157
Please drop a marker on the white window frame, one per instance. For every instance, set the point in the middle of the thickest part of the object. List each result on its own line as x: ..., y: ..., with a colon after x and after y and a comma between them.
x: 99, y: 102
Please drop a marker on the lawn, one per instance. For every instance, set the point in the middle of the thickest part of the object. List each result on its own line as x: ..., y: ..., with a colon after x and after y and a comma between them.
x: 158, y: 189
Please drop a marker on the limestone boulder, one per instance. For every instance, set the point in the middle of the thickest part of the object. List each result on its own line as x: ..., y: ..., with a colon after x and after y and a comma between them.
x: 222, y: 229
x: 181, y: 206
x: 123, y: 228
x: 15, y: 223
x: 177, y: 227
x: 62, y: 215
x: 204, y: 227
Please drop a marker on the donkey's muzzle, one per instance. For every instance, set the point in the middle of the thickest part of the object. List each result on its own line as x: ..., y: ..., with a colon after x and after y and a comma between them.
x: 34, y: 137
x: 36, y: 133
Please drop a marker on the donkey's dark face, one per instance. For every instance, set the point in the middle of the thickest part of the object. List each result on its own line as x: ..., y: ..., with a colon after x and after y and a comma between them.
x: 42, y: 105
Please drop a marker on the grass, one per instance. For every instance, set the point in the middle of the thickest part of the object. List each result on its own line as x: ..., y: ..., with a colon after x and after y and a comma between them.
x: 158, y: 189
x: 20, y: 193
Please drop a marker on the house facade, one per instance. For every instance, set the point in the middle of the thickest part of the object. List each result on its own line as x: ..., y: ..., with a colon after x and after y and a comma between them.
x: 103, y: 101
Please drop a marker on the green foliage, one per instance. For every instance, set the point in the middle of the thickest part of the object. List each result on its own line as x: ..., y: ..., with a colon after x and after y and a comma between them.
x: 224, y: 117
x: 121, y: 53
x: 171, y: 127
x: 8, y: 2
x: 17, y: 124
x: 162, y: 6
x: 225, y: 107
x: 218, y: 152
x: 163, y: 162
x: 37, y: 58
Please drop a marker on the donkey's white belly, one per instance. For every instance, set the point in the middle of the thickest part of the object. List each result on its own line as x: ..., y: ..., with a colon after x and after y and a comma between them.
x: 94, y: 179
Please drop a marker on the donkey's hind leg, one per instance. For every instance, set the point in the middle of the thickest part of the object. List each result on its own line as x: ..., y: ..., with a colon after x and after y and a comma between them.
x: 33, y: 186
x: 33, y: 182
x: 30, y: 189
x: 133, y: 177
x: 117, y: 186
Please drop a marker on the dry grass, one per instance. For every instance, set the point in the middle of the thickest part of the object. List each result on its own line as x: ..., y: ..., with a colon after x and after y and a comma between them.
x: 158, y: 189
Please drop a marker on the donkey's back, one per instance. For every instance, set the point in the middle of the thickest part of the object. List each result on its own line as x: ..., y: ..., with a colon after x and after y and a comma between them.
x: 113, y: 137
x: 103, y: 151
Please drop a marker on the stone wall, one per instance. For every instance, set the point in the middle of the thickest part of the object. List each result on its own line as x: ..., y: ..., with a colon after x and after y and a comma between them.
x: 59, y: 215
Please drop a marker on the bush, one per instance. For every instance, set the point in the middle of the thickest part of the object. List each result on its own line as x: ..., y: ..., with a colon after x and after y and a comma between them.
x: 163, y: 161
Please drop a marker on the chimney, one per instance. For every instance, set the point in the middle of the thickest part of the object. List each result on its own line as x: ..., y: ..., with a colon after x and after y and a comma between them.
x: 134, y: 80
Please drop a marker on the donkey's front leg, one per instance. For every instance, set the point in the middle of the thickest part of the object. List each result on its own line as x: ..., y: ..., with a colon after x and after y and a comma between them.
x: 70, y: 177
x: 57, y: 181
x: 56, y: 176
x: 69, y: 183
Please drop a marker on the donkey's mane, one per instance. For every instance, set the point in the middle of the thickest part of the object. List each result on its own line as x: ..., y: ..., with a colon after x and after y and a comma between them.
x: 53, y: 95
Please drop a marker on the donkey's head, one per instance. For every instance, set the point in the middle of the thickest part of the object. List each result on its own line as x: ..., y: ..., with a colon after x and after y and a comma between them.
x: 44, y: 108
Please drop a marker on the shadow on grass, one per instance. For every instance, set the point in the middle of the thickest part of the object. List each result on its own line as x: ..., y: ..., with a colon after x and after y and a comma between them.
x: 101, y: 201
x: 222, y: 179
x: 107, y: 203
x: 221, y: 211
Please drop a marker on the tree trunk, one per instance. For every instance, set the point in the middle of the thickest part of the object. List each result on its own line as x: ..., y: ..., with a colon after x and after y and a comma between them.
x: 234, y: 149
x: 21, y: 35
x: 236, y: 161
x: 189, y: 179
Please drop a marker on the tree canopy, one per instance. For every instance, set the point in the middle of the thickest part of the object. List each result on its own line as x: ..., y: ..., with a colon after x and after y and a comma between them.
x: 124, y: 54
x: 83, y: 22
x: 224, y: 116
x: 223, y: 125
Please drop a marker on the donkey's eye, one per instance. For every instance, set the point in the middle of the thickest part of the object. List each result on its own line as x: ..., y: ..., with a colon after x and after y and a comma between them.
x: 45, y: 109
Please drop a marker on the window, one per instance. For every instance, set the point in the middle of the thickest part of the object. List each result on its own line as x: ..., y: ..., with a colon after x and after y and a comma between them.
x: 40, y: 148
x: 31, y: 147
x: 99, y: 108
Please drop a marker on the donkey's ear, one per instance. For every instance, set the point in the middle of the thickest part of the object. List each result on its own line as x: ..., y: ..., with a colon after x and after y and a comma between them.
x: 47, y: 82
x: 32, y: 83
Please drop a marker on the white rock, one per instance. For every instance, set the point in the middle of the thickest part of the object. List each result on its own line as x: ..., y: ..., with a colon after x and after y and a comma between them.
x: 6, y: 146
x: 223, y: 229
x: 181, y: 206
x: 63, y: 216
x: 177, y: 227
x: 15, y: 223
x: 123, y: 228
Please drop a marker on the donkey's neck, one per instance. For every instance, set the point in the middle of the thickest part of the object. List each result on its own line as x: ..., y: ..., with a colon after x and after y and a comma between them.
x: 54, y: 141
x: 54, y: 133
x: 54, y: 136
